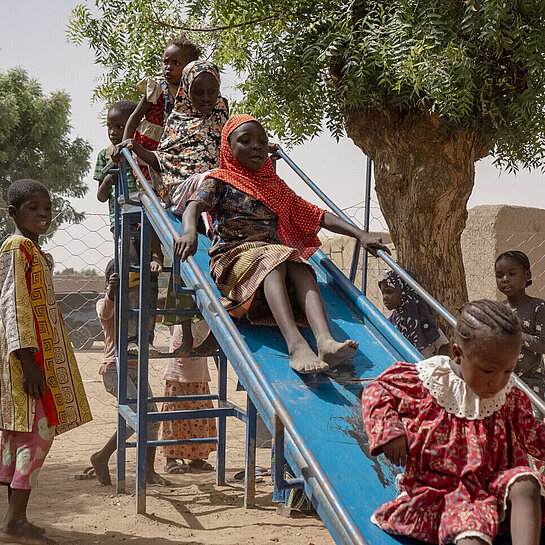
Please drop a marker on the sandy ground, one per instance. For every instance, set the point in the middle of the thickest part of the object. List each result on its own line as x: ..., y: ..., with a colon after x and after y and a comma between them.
x: 192, y: 510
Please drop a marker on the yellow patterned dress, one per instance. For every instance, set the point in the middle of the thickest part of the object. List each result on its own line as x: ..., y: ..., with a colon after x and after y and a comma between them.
x: 30, y: 318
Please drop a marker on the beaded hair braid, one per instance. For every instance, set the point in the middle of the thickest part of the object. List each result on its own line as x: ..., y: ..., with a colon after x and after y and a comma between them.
x: 485, y: 314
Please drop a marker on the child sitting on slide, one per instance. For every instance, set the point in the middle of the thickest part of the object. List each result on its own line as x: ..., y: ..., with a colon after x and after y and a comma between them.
x: 463, y: 431
x: 262, y: 234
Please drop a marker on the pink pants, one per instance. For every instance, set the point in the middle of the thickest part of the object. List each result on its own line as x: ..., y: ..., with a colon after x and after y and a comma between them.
x: 22, y: 454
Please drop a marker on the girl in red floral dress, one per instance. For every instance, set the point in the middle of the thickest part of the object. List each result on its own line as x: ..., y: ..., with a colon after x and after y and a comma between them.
x: 464, y: 433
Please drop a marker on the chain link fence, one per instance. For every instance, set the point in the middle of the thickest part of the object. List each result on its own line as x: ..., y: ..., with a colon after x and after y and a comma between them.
x: 490, y: 231
x: 340, y: 249
x: 81, y: 252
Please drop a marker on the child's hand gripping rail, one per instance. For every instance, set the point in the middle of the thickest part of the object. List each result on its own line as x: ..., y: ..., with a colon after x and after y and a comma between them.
x: 223, y: 327
x: 442, y: 311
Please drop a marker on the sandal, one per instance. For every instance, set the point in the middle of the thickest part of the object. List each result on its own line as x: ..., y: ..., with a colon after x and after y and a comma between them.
x: 203, y: 465
x: 176, y: 468
x: 87, y: 474
x: 239, y: 477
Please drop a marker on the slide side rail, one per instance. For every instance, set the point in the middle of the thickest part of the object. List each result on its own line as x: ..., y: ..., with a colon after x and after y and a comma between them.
x: 537, y: 402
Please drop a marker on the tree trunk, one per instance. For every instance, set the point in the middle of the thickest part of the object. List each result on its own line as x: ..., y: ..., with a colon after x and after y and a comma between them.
x: 423, y: 179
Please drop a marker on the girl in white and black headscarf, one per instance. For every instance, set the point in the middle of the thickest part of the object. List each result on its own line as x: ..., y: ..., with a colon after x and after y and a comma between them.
x: 412, y: 316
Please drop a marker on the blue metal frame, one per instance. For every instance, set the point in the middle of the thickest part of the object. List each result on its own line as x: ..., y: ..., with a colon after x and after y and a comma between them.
x: 236, y: 349
x: 132, y: 211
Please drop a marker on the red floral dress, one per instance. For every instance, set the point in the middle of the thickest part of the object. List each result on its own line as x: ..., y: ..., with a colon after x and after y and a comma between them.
x: 464, y: 452
x: 161, y: 95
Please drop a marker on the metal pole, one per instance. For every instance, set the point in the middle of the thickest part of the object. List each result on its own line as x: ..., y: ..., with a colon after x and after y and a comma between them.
x: 221, y: 361
x: 366, y: 219
x: 143, y: 363
x: 249, y: 470
x: 121, y: 347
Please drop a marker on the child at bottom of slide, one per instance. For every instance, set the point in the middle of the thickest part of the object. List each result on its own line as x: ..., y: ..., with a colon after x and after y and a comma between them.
x: 187, y: 376
x: 42, y: 390
x: 108, y: 371
x: 464, y: 433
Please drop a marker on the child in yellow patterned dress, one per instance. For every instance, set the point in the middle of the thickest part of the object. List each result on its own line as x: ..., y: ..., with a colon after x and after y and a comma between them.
x: 42, y: 390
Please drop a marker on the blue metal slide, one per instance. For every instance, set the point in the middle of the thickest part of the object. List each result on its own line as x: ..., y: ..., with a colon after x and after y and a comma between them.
x: 316, y: 418
x: 346, y: 484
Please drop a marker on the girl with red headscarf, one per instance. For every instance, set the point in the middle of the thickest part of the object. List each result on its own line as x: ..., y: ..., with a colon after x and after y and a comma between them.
x: 262, y: 233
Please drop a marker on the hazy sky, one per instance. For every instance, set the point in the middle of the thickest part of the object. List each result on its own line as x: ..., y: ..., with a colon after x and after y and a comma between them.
x: 33, y: 35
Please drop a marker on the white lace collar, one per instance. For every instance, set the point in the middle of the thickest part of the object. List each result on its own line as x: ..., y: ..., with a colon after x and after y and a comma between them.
x: 453, y: 394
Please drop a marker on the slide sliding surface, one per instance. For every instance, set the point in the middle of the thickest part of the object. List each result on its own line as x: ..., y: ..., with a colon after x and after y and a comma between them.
x: 325, y: 409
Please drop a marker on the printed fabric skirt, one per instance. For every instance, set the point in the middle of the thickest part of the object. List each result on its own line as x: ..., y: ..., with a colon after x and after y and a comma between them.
x: 187, y: 429
x: 239, y: 275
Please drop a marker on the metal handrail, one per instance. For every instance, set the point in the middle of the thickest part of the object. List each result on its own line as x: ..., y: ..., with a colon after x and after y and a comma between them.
x: 259, y: 379
x: 440, y: 309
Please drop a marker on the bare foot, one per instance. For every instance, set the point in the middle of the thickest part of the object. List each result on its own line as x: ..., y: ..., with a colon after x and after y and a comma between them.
x: 184, y: 349
x: 335, y: 353
x: 207, y: 346
x: 23, y: 533
x: 100, y: 465
x: 304, y: 360
x: 155, y: 478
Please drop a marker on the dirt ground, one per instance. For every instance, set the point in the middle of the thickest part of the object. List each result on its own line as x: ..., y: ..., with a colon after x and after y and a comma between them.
x: 192, y: 510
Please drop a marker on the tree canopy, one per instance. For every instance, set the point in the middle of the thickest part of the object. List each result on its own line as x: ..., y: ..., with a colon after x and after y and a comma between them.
x: 424, y: 87
x: 35, y: 143
x: 476, y: 65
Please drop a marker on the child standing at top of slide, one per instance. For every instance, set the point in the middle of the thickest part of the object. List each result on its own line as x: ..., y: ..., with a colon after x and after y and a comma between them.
x: 116, y: 120
x: 42, y: 391
x: 513, y: 276
x: 262, y: 233
x: 146, y: 123
x: 464, y: 431
x: 412, y: 316
x: 190, y: 146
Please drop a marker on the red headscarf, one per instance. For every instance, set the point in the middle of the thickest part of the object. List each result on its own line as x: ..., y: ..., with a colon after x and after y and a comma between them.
x: 298, y: 220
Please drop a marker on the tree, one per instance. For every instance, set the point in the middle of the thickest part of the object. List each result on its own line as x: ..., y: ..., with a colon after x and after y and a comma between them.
x: 35, y: 143
x: 70, y: 271
x: 424, y: 87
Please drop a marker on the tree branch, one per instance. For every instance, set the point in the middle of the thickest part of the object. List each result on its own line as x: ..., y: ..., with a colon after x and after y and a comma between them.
x: 212, y: 29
